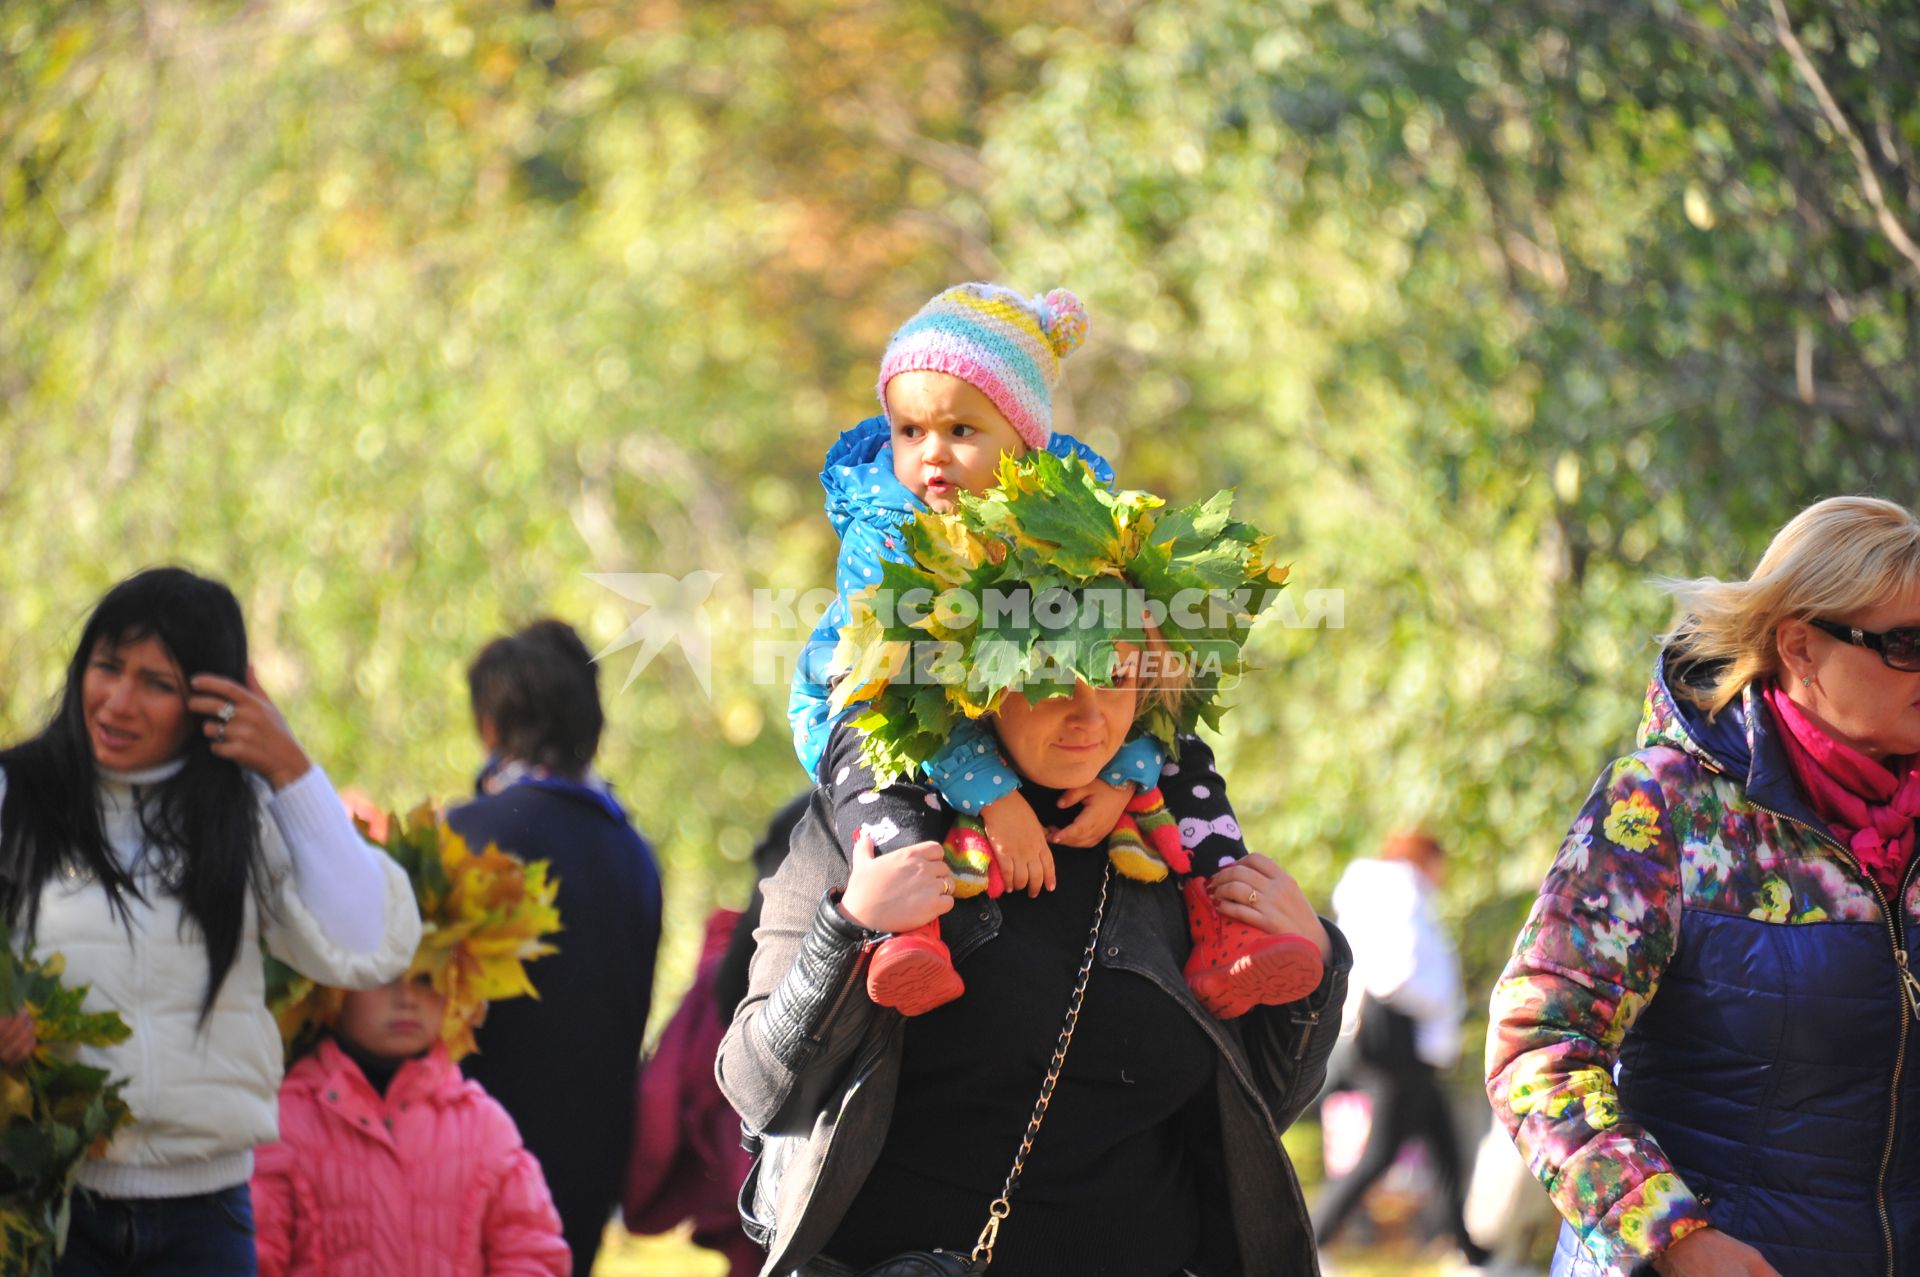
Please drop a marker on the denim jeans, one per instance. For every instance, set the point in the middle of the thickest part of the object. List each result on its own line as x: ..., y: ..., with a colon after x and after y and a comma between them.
x: 206, y: 1236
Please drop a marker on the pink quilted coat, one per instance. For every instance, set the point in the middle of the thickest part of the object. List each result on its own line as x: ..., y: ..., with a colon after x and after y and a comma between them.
x: 431, y: 1181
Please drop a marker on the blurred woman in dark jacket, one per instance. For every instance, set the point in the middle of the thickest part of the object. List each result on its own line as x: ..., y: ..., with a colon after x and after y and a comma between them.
x: 564, y: 1064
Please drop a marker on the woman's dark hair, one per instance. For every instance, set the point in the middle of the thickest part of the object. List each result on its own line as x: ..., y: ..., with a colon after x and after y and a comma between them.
x: 539, y: 691
x: 201, y: 825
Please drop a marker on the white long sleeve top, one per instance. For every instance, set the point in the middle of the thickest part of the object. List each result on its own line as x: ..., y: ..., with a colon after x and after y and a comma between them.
x: 1400, y: 953
x: 202, y: 1096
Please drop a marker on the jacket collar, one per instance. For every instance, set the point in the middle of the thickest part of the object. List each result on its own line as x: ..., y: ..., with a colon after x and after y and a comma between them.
x: 1741, y: 741
x: 431, y: 1078
x: 499, y: 775
x: 859, y: 479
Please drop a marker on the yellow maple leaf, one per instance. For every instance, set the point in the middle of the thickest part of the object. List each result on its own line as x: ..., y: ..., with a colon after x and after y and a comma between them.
x: 869, y: 659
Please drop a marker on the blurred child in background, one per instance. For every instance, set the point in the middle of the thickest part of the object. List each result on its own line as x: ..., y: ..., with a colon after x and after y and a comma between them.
x: 390, y: 1163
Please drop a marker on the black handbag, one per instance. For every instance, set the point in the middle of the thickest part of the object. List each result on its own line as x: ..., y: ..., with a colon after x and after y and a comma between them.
x: 914, y: 1263
x: 953, y: 1263
x: 1384, y: 1037
x: 930, y: 1263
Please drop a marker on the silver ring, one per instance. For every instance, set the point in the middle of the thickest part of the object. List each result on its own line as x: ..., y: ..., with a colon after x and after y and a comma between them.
x: 220, y: 731
x: 226, y: 712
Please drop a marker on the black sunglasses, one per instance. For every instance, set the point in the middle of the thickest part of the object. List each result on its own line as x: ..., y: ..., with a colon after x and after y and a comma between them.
x: 1899, y: 649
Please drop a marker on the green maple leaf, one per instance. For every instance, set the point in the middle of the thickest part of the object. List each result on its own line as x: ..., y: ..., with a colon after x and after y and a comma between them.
x: 1216, y: 567
x: 943, y: 547
x: 1056, y: 507
x: 1195, y: 526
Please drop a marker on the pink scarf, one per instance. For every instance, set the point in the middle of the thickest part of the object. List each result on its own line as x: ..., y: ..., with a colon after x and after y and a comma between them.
x: 1870, y: 807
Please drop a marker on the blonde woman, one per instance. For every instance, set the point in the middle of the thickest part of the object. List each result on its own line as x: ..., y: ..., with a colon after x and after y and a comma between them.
x: 1703, y: 1042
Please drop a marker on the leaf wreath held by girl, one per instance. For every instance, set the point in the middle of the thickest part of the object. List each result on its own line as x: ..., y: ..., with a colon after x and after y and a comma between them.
x: 389, y: 1160
x: 1048, y: 581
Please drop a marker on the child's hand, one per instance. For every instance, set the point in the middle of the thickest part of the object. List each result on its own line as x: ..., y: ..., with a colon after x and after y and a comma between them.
x: 16, y: 1038
x: 1101, y: 806
x: 906, y: 888
x: 1019, y: 844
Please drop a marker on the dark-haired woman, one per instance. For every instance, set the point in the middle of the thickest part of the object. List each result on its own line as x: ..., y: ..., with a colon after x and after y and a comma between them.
x: 160, y: 826
x: 574, y: 1051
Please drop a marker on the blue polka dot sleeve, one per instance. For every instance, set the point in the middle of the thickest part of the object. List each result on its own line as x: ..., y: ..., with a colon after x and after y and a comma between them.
x: 970, y: 772
x: 1138, y: 763
x: 809, y: 713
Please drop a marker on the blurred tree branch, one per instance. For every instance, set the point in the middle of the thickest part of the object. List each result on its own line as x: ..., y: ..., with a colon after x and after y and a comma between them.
x: 1869, y: 178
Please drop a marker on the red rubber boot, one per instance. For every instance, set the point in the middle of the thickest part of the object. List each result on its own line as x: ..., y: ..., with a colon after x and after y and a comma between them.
x: 913, y: 972
x: 1235, y: 967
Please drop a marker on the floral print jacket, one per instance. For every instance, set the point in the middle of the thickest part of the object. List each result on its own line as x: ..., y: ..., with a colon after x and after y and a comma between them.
x: 1706, y: 1015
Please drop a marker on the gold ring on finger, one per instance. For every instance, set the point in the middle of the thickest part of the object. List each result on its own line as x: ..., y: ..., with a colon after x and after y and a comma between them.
x: 1253, y: 896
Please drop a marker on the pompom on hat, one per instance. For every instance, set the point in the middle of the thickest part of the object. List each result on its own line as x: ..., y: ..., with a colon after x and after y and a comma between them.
x: 1006, y: 346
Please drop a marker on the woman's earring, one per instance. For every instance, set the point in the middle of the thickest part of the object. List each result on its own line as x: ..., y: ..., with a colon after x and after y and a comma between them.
x: 1806, y: 680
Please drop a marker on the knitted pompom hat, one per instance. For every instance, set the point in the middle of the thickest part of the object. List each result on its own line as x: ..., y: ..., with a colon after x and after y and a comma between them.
x: 1006, y: 346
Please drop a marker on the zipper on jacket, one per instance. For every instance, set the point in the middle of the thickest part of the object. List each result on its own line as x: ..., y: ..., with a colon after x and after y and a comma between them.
x: 1307, y: 1024
x: 1910, y: 990
x: 1906, y: 976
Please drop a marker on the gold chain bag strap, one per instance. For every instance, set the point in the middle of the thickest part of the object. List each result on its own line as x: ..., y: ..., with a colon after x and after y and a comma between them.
x: 941, y: 1263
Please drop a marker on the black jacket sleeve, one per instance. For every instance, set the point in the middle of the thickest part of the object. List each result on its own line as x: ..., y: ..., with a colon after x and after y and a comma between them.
x: 1288, y: 1045
x: 806, y: 1004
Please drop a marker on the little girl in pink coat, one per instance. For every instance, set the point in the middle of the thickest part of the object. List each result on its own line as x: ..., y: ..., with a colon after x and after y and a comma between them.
x: 391, y: 1164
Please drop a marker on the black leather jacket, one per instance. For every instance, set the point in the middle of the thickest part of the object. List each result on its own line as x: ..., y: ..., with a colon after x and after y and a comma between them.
x: 812, y: 1065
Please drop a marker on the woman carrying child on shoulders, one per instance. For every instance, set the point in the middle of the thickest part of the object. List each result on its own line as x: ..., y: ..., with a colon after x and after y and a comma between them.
x: 879, y: 1133
x: 965, y: 382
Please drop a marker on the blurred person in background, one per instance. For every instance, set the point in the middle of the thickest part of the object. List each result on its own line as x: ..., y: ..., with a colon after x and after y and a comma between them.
x: 1703, y: 1043
x: 156, y: 832
x: 1404, y: 1006
x: 565, y: 1064
x: 688, y: 1163
x: 389, y: 1162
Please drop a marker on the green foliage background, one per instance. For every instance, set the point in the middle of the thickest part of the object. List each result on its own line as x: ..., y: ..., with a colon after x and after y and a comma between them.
x: 403, y: 316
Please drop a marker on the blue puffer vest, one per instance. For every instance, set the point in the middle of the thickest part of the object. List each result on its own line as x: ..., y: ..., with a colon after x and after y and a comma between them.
x: 1806, y: 1143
